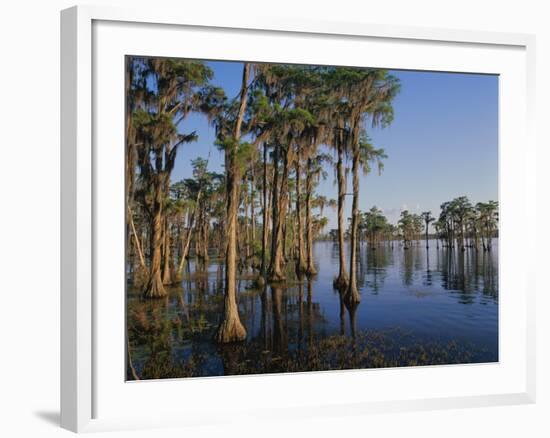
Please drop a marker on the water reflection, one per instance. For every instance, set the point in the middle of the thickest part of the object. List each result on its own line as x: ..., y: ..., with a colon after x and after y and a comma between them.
x: 377, y: 261
x: 418, y: 306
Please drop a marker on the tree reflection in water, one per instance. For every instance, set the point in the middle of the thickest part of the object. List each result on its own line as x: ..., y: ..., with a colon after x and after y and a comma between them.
x: 308, y: 325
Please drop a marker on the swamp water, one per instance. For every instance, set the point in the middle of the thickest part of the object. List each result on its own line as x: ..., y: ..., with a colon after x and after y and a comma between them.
x: 418, y: 307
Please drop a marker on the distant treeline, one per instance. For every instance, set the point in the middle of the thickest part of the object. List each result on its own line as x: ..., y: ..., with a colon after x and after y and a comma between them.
x: 460, y: 224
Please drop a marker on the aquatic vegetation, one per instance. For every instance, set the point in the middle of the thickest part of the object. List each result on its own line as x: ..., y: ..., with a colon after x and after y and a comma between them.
x: 369, y: 349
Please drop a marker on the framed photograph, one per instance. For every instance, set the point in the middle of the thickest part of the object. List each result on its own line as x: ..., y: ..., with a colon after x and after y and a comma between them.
x: 290, y: 217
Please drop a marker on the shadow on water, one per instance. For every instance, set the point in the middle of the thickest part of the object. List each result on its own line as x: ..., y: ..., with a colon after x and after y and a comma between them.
x: 418, y: 307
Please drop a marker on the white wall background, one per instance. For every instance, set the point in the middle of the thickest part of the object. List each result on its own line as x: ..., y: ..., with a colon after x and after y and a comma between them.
x: 29, y: 214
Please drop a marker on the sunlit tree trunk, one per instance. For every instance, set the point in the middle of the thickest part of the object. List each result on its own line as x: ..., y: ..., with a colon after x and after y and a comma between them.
x: 309, y: 222
x: 300, y: 264
x: 279, y: 215
x: 263, y: 267
x: 342, y: 280
x: 167, y: 272
x: 352, y: 294
x: 205, y: 240
x: 253, y: 216
x: 186, y: 243
x: 285, y: 206
x: 198, y: 238
x: 274, y: 210
x: 246, y: 222
x: 155, y: 288
x: 137, y: 243
x: 293, y: 245
x: 277, y: 203
x: 231, y: 329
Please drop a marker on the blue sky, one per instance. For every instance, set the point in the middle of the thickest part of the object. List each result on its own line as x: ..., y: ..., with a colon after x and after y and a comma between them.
x: 443, y: 143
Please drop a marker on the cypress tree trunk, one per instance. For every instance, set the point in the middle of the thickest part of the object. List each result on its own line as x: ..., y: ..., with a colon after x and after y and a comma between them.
x: 309, y: 223
x: 300, y: 264
x: 198, y: 238
x: 205, y: 240
x: 352, y: 295
x: 278, y: 215
x: 137, y: 243
x: 231, y: 328
x: 284, y: 222
x: 154, y: 287
x: 263, y: 267
x: 253, y: 218
x: 186, y: 243
x: 342, y: 280
x: 166, y: 273
x: 274, y: 208
x: 245, y: 223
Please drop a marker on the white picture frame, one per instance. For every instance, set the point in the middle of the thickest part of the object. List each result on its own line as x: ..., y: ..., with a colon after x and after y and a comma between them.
x: 85, y: 372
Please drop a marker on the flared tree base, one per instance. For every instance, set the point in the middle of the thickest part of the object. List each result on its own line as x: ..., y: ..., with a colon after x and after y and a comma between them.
x: 260, y: 281
x: 276, y: 277
x: 154, y: 291
x: 169, y: 280
x: 300, y: 269
x: 340, y: 283
x: 230, y: 330
x: 311, y: 271
x: 352, y: 295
